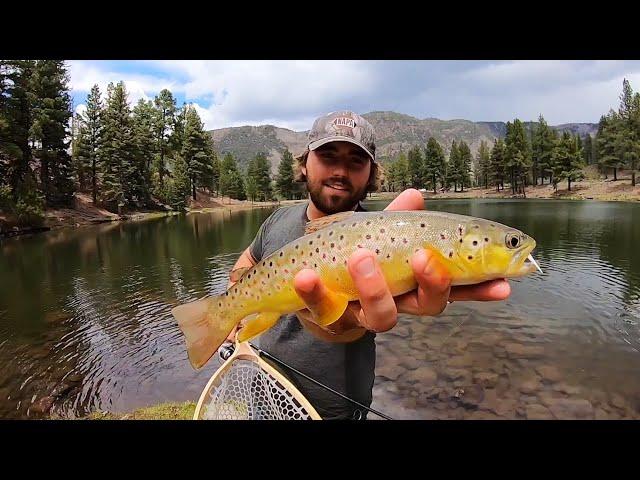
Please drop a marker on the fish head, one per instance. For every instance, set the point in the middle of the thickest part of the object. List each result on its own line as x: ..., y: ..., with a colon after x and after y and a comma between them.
x: 487, y: 250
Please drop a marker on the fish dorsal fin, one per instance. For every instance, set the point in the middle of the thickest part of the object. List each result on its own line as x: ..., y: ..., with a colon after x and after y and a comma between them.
x: 322, y: 222
x: 237, y: 274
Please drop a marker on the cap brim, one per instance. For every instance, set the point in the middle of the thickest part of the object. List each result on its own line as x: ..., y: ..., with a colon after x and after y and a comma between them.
x: 337, y: 138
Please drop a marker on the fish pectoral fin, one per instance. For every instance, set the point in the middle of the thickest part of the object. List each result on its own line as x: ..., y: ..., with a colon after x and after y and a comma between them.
x: 263, y: 321
x: 330, y: 309
x: 237, y: 274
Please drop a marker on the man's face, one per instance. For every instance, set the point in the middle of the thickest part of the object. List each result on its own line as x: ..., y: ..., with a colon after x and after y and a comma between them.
x: 337, y: 176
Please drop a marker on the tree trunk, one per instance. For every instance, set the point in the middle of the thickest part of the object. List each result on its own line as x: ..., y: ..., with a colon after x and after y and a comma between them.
x: 434, y: 184
x: 569, y: 182
x: 193, y: 186
x: 615, y: 174
x: 93, y: 180
x: 633, y: 178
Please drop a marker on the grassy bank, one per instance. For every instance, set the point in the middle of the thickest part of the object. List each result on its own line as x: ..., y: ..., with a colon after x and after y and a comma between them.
x: 164, y: 411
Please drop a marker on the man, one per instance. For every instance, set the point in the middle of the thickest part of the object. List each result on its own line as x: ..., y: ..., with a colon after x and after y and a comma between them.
x: 339, y: 168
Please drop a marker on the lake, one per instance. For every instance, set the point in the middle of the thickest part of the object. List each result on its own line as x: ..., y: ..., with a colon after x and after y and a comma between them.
x: 85, y: 320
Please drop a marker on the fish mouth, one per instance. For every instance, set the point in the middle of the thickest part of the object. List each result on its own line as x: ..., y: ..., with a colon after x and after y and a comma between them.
x: 523, y: 263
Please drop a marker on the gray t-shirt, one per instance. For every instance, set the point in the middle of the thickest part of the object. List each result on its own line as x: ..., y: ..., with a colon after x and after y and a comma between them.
x: 348, y: 368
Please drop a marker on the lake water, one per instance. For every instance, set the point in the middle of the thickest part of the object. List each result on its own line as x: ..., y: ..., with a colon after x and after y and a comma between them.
x: 85, y: 320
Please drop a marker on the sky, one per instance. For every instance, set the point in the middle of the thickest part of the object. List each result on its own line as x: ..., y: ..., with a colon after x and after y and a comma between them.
x: 291, y: 94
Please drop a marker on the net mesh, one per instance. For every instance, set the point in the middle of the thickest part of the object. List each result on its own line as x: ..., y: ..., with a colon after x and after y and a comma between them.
x: 247, y: 392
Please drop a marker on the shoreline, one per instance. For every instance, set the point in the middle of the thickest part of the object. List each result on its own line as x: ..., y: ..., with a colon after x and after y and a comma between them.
x: 85, y: 213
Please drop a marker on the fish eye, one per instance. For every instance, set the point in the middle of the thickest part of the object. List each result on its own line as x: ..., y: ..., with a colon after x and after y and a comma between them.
x: 512, y: 240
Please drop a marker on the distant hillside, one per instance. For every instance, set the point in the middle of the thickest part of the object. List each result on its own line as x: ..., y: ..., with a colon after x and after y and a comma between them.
x: 395, y: 132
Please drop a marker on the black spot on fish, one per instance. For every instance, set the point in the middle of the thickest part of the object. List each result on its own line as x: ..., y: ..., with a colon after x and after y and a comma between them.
x: 368, y: 223
x: 341, y: 237
x: 470, y: 257
x: 393, y: 239
x: 388, y: 255
x: 317, y: 250
x: 271, y: 264
x: 268, y: 275
x: 235, y: 291
x: 293, y: 260
x: 460, y: 240
x: 475, y: 242
x: 330, y: 233
x: 249, y: 276
x: 333, y: 245
x: 264, y: 263
x: 226, y: 294
x: 368, y: 237
x: 296, y: 247
x: 219, y: 304
x: 450, y: 254
x: 443, y: 236
x: 353, y: 224
x: 486, y: 239
x: 382, y: 230
x: 422, y: 225
x: 334, y: 259
x: 315, y: 265
x: 476, y: 226
x: 377, y: 251
x: 241, y: 280
x: 280, y: 253
x: 318, y: 236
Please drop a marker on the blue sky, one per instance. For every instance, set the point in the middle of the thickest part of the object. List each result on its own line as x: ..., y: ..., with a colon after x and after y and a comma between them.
x: 291, y: 93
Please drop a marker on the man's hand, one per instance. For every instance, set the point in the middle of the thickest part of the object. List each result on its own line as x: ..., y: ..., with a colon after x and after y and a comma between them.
x: 377, y: 310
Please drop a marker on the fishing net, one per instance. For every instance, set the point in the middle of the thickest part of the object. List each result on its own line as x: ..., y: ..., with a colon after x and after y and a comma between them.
x: 246, y: 391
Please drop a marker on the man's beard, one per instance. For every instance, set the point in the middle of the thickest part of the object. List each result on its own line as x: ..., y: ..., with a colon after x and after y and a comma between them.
x: 330, y: 204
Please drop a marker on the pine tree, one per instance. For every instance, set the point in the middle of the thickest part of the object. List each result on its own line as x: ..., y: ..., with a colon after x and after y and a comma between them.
x: 454, y: 170
x: 434, y: 162
x: 231, y: 183
x: 258, y: 169
x: 80, y: 153
x: 464, y: 162
x: 166, y: 107
x: 588, y: 150
x: 607, y: 143
x: 483, y: 164
x: 627, y: 131
x: 497, y: 164
x: 19, y: 187
x: 517, y: 154
x: 194, y: 151
x: 179, y: 184
x: 117, y: 152
x: 567, y: 160
x: 284, y: 181
x: 92, y: 135
x: 144, y: 121
x: 415, y: 167
x: 51, y: 114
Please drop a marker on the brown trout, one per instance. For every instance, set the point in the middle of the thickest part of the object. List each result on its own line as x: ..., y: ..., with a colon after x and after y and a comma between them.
x: 474, y: 250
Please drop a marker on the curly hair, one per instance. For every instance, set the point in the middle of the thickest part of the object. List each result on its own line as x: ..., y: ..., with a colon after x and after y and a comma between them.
x: 375, y: 177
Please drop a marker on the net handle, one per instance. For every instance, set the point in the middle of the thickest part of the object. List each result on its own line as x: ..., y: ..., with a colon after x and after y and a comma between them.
x: 243, y: 351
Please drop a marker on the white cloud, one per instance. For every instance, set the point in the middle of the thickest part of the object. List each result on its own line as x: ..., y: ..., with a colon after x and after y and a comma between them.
x: 291, y: 94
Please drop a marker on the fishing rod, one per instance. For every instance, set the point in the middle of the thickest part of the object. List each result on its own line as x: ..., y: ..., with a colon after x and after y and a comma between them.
x: 225, y: 353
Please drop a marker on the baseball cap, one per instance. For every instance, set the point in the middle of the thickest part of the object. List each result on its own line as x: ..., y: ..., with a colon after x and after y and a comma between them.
x: 343, y: 126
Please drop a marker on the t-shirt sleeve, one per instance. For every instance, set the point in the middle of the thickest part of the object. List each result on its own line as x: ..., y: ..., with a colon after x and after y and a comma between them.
x: 256, y: 248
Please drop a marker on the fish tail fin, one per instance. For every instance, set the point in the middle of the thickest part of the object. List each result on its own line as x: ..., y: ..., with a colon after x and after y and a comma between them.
x: 205, y: 327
